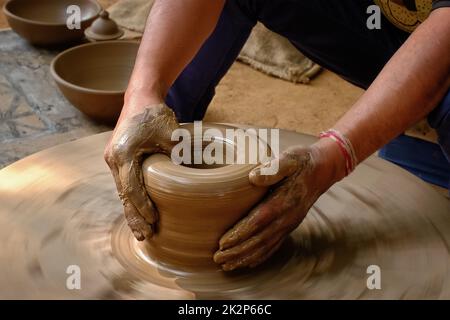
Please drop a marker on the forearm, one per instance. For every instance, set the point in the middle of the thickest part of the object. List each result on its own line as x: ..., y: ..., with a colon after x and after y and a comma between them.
x: 174, y: 33
x: 408, y: 88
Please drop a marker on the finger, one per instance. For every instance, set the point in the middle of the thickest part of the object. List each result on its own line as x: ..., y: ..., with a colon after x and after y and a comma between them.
x: 135, y: 192
x: 247, y: 227
x: 269, y: 235
x: 160, y: 123
x: 268, y: 254
x: 284, y: 167
x: 258, y: 218
x: 140, y: 228
x: 115, y: 173
x: 255, y: 258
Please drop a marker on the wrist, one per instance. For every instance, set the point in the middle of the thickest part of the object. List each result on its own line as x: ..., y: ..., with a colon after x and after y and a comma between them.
x: 150, y: 93
x: 330, y: 161
x: 137, y: 99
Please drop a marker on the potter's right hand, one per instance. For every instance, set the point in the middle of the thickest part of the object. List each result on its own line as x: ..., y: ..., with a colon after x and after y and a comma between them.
x: 140, y: 131
x: 304, y: 174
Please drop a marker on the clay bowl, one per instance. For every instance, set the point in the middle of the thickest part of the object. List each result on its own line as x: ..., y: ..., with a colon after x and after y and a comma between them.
x: 44, y: 22
x: 94, y: 77
x: 196, y: 205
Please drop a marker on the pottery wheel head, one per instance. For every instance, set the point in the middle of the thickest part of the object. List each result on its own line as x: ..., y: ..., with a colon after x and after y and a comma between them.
x: 60, y: 209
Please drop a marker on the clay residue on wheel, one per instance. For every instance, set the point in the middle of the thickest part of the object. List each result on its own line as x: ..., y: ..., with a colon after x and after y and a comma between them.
x: 60, y: 207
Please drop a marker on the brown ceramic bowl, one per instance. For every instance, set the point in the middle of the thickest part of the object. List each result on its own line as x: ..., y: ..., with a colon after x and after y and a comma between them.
x: 94, y: 77
x: 44, y: 23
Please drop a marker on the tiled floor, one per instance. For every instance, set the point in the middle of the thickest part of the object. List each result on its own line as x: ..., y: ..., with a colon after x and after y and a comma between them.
x: 33, y: 113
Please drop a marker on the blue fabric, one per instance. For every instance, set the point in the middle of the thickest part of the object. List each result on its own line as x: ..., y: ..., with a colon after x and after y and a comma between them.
x: 439, y: 119
x: 332, y: 33
x: 429, y: 161
x: 422, y: 158
x: 194, y: 89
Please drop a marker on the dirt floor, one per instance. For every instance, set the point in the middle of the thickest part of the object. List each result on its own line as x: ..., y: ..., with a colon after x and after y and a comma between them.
x: 250, y: 97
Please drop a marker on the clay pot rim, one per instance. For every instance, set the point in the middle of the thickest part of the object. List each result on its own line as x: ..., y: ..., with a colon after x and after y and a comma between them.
x: 66, y: 83
x: 229, y: 178
x: 161, y: 165
x: 9, y: 14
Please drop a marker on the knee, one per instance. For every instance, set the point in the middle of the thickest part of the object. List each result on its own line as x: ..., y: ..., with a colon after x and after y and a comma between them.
x: 439, y: 119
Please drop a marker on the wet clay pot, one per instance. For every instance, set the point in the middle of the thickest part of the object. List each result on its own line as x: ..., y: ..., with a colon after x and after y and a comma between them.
x: 44, y: 22
x: 197, y: 205
x: 94, y: 77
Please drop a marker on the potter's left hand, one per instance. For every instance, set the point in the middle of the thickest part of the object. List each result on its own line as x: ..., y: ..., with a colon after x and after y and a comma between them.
x: 303, y: 175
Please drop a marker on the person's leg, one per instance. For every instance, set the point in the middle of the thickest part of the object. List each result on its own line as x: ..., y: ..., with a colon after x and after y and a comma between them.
x: 194, y: 89
x: 330, y: 32
x: 334, y: 34
x: 439, y: 119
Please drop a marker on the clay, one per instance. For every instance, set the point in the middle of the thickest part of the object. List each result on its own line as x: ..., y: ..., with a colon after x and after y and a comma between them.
x: 94, y: 77
x: 149, y: 131
x: 103, y: 29
x: 197, y: 205
x: 60, y: 208
x: 44, y: 22
x: 294, y: 189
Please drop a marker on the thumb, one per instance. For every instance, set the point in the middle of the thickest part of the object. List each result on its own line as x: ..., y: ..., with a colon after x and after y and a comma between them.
x: 274, y: 171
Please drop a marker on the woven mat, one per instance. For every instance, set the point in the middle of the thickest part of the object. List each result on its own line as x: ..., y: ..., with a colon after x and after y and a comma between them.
x: 33, y: 113
x: 265, y: 51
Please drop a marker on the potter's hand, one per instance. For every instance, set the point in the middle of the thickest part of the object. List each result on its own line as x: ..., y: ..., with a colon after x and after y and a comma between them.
x: 139, y: 132
x: 303, y: 175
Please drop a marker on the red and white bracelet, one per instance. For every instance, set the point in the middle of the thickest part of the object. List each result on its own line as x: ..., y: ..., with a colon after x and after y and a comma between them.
x: 345, y: 146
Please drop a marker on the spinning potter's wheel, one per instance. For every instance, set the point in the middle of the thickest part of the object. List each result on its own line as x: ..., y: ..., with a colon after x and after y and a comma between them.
x: 59, y: 208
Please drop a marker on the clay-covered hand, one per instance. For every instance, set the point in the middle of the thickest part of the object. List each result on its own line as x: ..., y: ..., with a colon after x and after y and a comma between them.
x: 142, y: 133
x: 295, y: 188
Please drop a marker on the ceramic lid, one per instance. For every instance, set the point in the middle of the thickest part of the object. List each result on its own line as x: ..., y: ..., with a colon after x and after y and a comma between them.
x: 103, y: 28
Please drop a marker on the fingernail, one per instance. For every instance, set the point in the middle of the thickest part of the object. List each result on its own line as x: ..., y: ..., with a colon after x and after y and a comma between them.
x: 138, y: 235
x: 227, y: 267
x: 223, y: 244
x: 229, y: 241
x: 216, y: 257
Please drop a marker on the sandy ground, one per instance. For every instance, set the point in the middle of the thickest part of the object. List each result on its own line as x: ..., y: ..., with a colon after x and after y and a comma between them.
x: 250, y: 97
